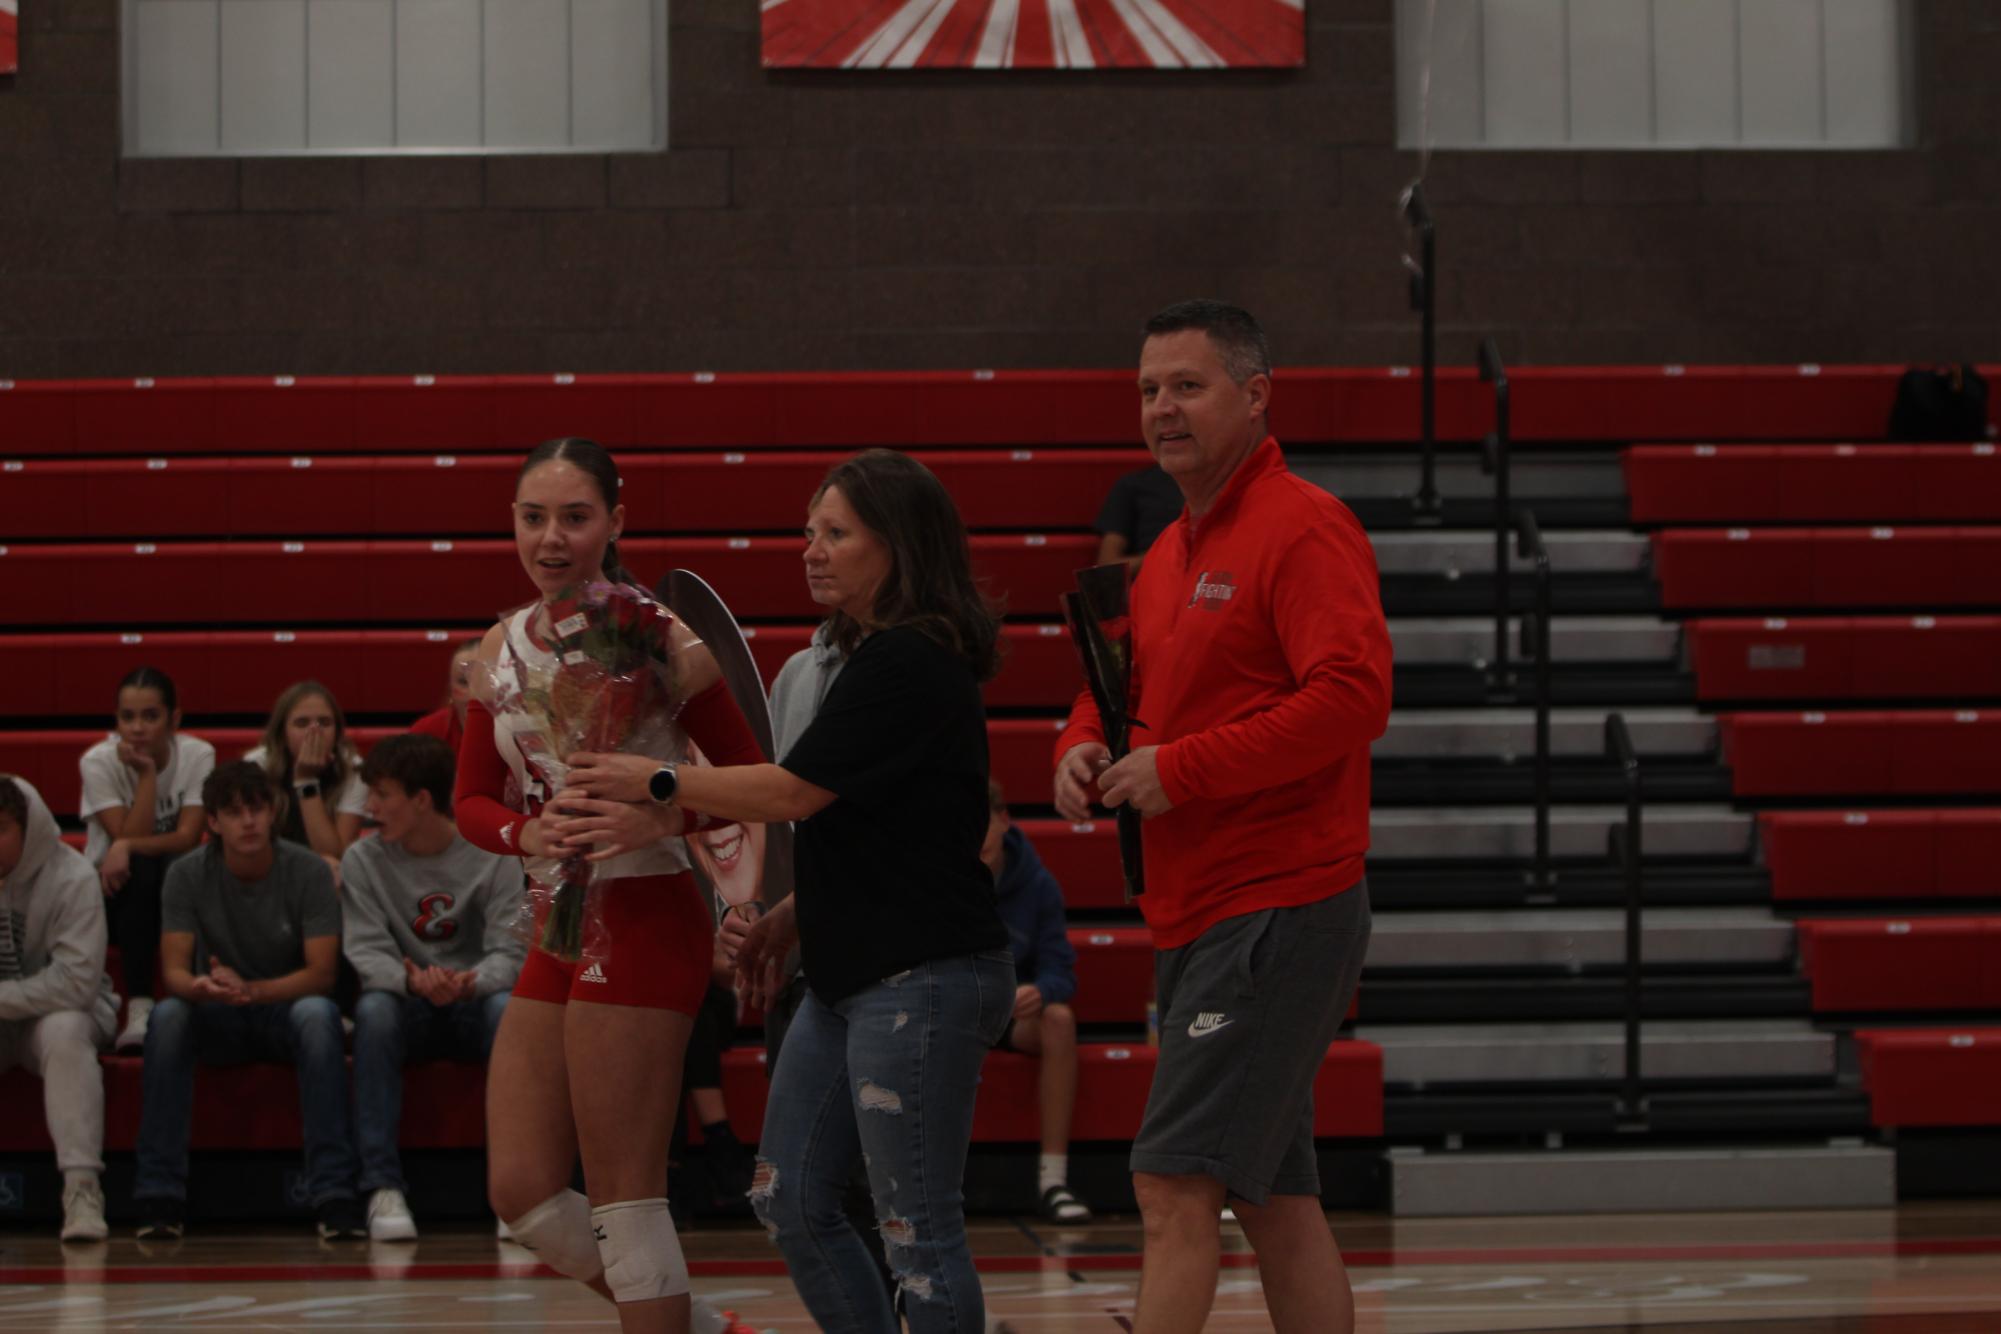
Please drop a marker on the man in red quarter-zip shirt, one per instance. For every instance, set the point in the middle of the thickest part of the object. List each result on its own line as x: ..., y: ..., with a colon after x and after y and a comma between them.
x: 1262, y: 672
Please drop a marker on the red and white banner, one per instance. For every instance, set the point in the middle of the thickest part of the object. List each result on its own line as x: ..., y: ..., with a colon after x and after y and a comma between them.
x: 1033, y: 34
x: 9, y: 44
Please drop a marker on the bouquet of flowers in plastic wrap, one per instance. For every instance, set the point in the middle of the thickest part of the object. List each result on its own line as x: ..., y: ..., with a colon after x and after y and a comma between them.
x: 605, y: 684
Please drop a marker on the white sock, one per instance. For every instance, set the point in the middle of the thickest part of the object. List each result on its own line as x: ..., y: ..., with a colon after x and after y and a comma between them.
x: 138, y: 1008
x: 78, y: 1175
x: 1055, y: 1171
x: 704, y: 1318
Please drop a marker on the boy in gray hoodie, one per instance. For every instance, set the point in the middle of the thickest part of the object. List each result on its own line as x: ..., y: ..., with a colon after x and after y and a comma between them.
x: 431, y: 928
x: 57, y: 1010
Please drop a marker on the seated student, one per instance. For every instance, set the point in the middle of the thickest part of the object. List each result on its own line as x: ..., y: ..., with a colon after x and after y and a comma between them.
x: 313, y: 767
x: 447, y: 722
x: 1044, y: 1025
x: 142, y: 801
x: 1137, y: 509
x: 57, y: 1008
x: 429, y: 923
x: 249, y: 942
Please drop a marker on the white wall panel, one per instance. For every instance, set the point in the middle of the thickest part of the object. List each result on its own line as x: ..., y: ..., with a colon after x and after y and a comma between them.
x: 438, y: 73
x: 1611, y: 72
x: 170, y: 61
x: 611, y: 71
x: 1524, y: 52
x: 1654, y: 73
x: 350, y: 73
x: 277, y: 77
x: 1695, y: 72
x: 1865, y: 72
x: 1780, y: 71
x: 263, y: 75
x: 1455, y: 57
x: 527, y: 72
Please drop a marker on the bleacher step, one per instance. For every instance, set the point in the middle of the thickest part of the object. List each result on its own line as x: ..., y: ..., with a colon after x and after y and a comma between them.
x: 1532, y: 475
x: 1577, y: 938
x: 1418, y: 1055
x: 1456, y: 553
x: 1463, y: 640
x: 1413, y: 833
x: 1509, y: 733
x: 1432, y: 1184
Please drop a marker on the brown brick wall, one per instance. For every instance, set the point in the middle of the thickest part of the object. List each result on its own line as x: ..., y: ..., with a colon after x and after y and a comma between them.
x: 919, y: 220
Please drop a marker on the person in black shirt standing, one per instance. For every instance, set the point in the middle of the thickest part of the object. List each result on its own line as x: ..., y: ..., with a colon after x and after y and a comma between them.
x: 1137, y: 510
x: 905, y: 955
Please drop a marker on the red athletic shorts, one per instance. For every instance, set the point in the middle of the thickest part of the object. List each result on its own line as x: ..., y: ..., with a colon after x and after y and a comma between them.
x: 662, y: 938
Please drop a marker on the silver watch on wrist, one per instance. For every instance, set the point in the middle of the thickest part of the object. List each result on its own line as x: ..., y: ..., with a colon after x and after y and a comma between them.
x: 666, y: 781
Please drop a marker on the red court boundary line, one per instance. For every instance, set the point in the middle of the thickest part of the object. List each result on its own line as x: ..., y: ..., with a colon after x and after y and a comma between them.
x: 1012, y: 1264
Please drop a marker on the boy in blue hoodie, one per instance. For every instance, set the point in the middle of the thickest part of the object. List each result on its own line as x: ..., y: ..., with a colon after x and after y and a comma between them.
x: 1044, y: 1026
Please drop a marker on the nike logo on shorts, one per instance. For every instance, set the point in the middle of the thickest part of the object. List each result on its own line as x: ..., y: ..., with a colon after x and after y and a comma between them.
x: 1208, y: 1022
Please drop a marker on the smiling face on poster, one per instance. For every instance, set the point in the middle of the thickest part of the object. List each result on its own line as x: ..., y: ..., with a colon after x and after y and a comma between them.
x: 729, y: 859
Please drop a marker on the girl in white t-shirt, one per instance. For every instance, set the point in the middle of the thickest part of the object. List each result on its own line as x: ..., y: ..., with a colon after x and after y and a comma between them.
x: 142, y: 802
x: 306, y: 751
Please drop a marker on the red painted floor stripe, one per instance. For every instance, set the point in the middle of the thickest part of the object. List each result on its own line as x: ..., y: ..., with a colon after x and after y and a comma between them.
x: 83, y: 1275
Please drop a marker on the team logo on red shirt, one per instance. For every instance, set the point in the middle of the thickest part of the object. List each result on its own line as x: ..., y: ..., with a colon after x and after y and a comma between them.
x: 1213, y: 588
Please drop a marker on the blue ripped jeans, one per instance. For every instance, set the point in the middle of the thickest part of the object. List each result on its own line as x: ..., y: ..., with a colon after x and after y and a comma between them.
x: 886, y: 1075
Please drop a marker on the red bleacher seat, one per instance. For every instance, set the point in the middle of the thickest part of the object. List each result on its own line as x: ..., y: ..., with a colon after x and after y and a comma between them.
x: 1916, y: 752
x: 289, y: 415
x: 469, y: 495
x: 1918, y: 963
x: 391, y: 671
x: 1882, y: 854
x: 1828, y: 567
x: 146, y: 584
x: 1084, y: 859
x: 1932, y: 1076
x: 257, y: 1107
x: 1114, y: 973
x: 1813, y: 483
x: 1869, y: 657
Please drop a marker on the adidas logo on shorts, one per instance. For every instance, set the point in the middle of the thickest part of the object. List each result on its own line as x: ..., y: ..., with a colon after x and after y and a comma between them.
x: 594, y: 973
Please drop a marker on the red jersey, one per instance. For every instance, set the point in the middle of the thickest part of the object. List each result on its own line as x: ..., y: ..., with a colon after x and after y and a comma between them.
x: 1262, y: 671
x: 442, y: 723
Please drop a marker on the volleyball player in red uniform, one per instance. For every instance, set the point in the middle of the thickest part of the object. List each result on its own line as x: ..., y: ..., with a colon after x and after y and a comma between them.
x: 589, y: 1054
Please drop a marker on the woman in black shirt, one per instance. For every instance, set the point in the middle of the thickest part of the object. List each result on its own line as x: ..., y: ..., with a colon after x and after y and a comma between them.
x: 905, y: 956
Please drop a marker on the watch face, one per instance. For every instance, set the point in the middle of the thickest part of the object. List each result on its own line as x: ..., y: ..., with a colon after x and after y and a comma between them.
x: 662, y: 784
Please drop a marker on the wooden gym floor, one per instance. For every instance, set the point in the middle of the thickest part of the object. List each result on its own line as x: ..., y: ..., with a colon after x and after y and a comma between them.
x: 1922, y: 1269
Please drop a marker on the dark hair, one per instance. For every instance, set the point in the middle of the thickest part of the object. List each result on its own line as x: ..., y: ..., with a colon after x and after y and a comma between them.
x: 930, y: 585
x: 594, y: 459
x: 1238, y: 339
x: 152, y: 678
x: 416, y: 764
x: 13, y: 801
x: 238, y: 783
x: 278, y: 755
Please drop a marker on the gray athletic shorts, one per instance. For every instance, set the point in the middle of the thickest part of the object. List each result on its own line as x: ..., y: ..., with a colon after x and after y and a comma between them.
x: 1247, y: 1010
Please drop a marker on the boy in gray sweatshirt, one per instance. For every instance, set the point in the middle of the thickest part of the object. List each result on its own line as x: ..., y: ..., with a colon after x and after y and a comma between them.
x: 430, y: 927
x: 57, y: 1009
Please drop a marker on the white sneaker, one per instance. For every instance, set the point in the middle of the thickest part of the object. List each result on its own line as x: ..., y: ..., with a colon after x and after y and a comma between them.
x: 389, y: 1217
x: 133, y: 1037
x: 83, y: 1211
x: 501, y: 1231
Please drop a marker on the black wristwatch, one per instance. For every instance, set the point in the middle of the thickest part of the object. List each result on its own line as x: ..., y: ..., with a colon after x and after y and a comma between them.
x: 664, y: 784
x: 308, y: 789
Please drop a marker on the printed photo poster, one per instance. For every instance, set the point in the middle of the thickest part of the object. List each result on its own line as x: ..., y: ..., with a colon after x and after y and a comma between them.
x: 1033, y: 34
x: 10, y: 22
